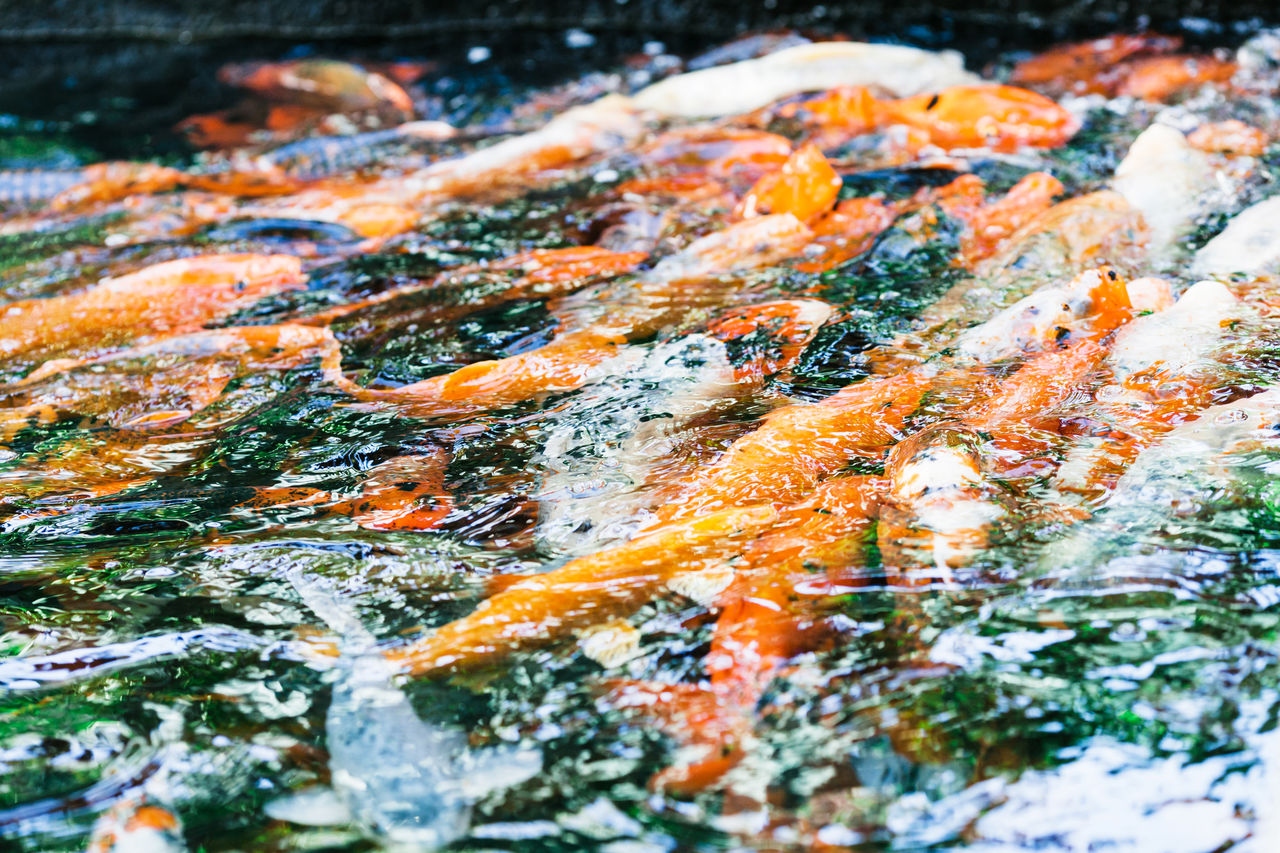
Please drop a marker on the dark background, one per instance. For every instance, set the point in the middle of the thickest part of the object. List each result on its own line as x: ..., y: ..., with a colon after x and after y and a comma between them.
x: 199, y: 20
x: 152, y: 61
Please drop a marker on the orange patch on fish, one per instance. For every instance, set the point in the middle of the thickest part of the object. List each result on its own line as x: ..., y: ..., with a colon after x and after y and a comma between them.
x: 1042, y: 382
x: 852, y: 109
x: 542, y: 266
x: 990, y: 225
x: 769, y: 337
x: 564, y: 364
x: 379, y: 220
x: 1229, y: 137
x: 795, y: 447
x: 404, y: 493
x: 848, y: 231
x: 805, y: 186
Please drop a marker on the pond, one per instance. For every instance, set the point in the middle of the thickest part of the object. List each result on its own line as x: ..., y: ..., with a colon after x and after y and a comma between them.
x: 843, y: 454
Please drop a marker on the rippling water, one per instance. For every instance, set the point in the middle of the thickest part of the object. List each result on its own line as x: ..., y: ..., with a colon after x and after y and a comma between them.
x: 1107, y: 684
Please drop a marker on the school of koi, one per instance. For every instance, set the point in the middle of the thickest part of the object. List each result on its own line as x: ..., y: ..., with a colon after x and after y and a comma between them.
x: 1085, y: 340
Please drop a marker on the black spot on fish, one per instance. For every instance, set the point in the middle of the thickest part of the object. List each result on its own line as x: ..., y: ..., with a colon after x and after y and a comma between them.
x: 933, y: 102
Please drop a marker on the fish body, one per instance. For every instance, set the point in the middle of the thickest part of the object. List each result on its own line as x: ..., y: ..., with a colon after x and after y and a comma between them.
x: 1191, y: 487
x: 941, y: 502
x: 605, y: 444
x: 1249, y: 244
x: 322, y: 156
x: 753, y: 83
x: 164, y: 299
x: 1181, y: 336
x: 1168, y: 181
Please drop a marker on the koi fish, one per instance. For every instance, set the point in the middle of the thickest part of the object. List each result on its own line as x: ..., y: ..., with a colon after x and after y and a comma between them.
x: 1002, y: 118
x: 1157, y: 78
x: 322, y: 156
x: 608, y: 445
x: 111, y: 181
x: 1142, y: 66
x: 770, y: 612
x: 163, y: 383
x: 1229, y: 137
x: 403, y: 493
x: 1187, y: 345
x: 941, y: 501
x: 806, y: 187
x: 1097, y: 299
x: 1090, y: 66
x: 796, y: 447
x: 574, y: 358
x: 590, y: 589
x: 170, y: 298
x: 748, y: 85
x: 967, y: 116
x: 1169, y: 181
x: 1068, y: 238
x: 322, y: 83
x: 989, y: 225
x: 1216, y: 459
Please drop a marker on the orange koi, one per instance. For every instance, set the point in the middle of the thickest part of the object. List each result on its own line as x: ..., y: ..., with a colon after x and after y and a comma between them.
x: 1041, y: 383
x: 1004, y: 118
x: 104, y: 182
x: 133, y: 825
x: 568, y: 361
x: 554, y: 266
x: 718, y: 153
x: 186, y: 374
x: 1089, y: 66
x: 824, y: 532
x: 1156, y: 78
x: 539, y: 609
x: 848, y: 231
x: 852, y: 110
x: 170, y: 298
x: 991, y: 225
x: 320, y: 83
x: 562, y: 365
x: 795, y: 447
x: 767, y: 618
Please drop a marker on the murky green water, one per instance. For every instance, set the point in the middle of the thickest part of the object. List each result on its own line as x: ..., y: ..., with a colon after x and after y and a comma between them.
x: 161, y: 640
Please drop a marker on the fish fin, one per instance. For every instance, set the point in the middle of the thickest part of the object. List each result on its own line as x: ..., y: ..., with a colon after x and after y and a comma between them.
x: 703, y: 586
x: 611, y: 644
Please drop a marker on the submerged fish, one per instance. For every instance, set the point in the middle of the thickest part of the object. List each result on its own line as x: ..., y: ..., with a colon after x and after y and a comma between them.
x: 1195, y: 486
x: 135, y: 826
